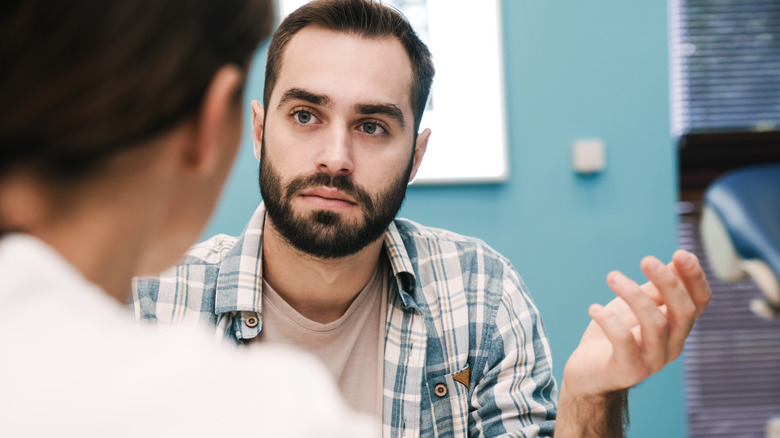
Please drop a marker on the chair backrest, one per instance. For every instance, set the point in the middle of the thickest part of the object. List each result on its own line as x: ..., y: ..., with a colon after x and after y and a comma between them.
x: 741, y: 231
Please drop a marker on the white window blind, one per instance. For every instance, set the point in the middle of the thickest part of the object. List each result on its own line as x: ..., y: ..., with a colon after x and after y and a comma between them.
x: 732, y: 356
x: 725, y: 66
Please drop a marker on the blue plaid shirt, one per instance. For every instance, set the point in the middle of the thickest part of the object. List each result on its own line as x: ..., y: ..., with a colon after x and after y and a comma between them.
x: 465, y: 349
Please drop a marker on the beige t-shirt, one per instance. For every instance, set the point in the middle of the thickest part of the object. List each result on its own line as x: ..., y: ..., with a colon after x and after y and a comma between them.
x: 352, y: 347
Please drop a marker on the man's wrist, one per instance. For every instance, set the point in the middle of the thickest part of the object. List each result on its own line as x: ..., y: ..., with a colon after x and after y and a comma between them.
x: 592, y: 416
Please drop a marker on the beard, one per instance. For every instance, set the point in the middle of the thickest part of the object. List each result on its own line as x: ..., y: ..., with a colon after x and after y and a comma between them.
x: 326, y: 234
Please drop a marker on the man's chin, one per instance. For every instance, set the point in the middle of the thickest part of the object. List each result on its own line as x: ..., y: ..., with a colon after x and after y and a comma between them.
x: 329, y: 218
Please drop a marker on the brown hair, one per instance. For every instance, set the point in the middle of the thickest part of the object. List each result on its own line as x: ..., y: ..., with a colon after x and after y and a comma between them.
x: 364, y: 18
x: 83, y: 80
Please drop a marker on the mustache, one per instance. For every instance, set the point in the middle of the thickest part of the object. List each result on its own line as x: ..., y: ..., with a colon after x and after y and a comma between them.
x: 343, y: 183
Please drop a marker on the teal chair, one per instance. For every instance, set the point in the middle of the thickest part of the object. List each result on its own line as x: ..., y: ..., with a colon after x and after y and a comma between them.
x: 740, y: 229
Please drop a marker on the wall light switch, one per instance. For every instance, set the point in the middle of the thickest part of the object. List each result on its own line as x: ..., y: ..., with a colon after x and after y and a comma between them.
x: 588, y: 155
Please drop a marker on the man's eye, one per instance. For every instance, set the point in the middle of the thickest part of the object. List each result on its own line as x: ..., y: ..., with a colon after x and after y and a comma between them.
x: 372, y: 128
x: 369, y: 127
x: 303, y: 117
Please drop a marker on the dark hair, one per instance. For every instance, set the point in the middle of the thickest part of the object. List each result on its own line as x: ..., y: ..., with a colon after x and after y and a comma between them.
x: 82, y: 80
x: 364, y: 18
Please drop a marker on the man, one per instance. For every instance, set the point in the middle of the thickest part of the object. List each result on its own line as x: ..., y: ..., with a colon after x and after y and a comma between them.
x: 120, y: 120
x: 433, y: 332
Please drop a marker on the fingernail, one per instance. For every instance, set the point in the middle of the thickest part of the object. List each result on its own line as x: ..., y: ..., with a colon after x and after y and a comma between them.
x: 686, y: 259
x: 654, y: 265
x: 619, y: 278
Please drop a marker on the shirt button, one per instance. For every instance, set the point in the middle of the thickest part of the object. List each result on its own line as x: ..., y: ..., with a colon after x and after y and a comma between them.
x: 251, y: 322
x: 440, y: 390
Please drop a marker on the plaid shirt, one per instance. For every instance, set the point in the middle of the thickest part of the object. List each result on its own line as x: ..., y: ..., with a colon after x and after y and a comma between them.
x: 465, y: 349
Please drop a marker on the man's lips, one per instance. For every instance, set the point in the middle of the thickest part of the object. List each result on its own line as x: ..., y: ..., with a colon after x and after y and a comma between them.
x: 327, y: 197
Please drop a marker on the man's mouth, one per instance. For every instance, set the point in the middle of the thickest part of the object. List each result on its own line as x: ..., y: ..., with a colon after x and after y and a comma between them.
x: 327, y: 197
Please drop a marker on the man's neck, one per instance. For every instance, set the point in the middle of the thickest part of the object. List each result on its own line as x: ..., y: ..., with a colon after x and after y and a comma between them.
x: 319, y: 289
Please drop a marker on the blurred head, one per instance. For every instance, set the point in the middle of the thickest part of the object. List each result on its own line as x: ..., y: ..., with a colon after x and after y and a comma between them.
x: 362, y: 18
x: 84, y: 82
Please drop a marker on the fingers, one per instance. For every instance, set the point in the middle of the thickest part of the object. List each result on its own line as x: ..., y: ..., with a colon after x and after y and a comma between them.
x: 647, y: 325
x: 690, y: 272
x: 625, y: 347
x: 651, y: 291
x: 680, y: 307
x: 652, y: 322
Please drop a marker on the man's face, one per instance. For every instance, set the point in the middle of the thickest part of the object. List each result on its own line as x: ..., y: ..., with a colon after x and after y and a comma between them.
x: 337, y: 145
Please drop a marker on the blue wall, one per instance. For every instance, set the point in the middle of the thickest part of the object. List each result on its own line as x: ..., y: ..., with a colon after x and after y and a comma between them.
x: 573, y: 69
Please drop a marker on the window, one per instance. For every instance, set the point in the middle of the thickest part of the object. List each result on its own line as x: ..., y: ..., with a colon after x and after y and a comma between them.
x: 732, y: 357
x: 725, y: 85
x: 450, y: 157
x: 726, y: 60
x: 726, y: 114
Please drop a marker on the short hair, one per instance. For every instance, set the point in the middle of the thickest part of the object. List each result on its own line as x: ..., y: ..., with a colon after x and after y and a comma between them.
x: 83, y: 80
x: 364, y: 18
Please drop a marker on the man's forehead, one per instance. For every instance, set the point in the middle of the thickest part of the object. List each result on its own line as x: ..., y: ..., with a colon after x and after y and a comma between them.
x: 346, y: 65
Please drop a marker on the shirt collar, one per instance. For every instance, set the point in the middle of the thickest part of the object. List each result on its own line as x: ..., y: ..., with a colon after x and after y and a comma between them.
x: 401, y: 263
x: 239, y: 283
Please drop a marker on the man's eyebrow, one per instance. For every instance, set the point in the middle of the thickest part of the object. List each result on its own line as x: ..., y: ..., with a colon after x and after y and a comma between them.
x: 306, y: 96
x: 380, y: 108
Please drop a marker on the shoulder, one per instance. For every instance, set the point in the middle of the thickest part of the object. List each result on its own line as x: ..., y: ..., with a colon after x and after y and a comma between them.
x: 451, y: 266
x: 211, y: 251
x: 448, y: 266
x: 425, y: 244
x: 190, y: 285
x: 176, y: 377
x: 414, y: 230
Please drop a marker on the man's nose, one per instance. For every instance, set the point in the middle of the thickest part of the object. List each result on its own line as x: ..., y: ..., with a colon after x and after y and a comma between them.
x: 335, y: 155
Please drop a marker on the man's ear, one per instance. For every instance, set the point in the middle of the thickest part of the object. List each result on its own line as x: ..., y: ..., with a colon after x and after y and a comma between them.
x: 218, y: 122
x: 258, y: 116
x: 419, y: 151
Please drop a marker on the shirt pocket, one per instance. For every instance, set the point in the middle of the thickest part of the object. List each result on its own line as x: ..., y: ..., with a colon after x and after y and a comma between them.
x: 449, y: 398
